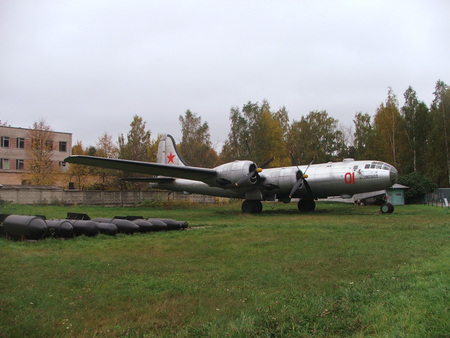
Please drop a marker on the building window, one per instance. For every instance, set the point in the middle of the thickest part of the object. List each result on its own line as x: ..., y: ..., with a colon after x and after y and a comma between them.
x: 5, y: 142
x: 4, y: 163
x: 20, y: 142
x: 20, y: 164
x: 63, y: 146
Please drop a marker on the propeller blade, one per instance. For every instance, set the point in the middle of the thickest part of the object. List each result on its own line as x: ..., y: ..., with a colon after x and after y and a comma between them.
x: 265, y: 164
x: 297, y: 186
x: 308, y: 188
x: 245, y: 178
x: 309, y: 164
x: 294, y: 162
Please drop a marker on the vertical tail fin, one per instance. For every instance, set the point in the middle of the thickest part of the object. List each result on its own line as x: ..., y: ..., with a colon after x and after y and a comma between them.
x: 168, y: 152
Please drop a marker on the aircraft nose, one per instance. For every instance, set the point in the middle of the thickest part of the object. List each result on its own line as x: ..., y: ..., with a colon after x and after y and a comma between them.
x: 393, y: 175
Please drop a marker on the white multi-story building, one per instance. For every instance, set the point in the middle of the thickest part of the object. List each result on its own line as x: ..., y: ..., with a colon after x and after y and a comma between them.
x: 14, y: 143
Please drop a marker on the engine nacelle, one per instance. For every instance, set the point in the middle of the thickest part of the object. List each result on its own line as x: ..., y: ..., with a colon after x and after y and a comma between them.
x: 230, y: 173
x: 283, y: 179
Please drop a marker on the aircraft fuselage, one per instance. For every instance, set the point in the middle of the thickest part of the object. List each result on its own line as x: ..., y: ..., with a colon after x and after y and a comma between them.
x: 326, y: 179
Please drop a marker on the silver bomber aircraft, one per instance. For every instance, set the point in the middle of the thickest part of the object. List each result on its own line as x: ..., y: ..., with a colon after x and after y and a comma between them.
x: 244, y: 180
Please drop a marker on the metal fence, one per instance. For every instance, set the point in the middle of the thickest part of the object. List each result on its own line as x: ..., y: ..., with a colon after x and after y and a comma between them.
x: 440, y: 197
x: 33, y: 195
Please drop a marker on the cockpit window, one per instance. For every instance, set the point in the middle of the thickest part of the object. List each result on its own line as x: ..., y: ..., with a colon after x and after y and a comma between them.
x: 378, y: 165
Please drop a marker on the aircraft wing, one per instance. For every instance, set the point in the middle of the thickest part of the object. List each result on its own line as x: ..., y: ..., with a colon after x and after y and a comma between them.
x: 190, y: 173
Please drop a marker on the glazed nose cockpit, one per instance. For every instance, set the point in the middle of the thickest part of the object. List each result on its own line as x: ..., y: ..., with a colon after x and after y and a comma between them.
x: 393, y: 173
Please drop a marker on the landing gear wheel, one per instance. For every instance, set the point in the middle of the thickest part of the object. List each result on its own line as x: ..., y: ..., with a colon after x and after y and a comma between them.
x: 259, y: 207
x: 305, y: 205
x: 251, y: 207
x: 387, y: 208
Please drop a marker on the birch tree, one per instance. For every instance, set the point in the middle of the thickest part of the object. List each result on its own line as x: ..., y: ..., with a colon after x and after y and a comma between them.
x: 390, y: 134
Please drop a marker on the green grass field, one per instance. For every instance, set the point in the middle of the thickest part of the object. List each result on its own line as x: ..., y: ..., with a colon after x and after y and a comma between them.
x: 340, y: 271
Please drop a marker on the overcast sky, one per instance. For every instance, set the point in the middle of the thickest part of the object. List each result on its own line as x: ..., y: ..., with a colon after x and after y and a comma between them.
x: 88, y: 66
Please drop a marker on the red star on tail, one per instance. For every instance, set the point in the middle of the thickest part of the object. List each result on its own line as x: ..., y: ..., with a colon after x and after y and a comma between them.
x: 170, y: 158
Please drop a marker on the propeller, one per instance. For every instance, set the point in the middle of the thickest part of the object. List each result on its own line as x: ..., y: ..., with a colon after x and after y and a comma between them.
x: 301, y: 178
x: 254, y: 170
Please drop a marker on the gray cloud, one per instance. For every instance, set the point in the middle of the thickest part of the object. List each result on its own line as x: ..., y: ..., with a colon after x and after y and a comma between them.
x: 88, y: 66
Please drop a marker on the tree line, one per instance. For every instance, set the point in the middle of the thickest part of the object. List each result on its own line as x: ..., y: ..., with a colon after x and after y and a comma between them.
x: 413, y: 137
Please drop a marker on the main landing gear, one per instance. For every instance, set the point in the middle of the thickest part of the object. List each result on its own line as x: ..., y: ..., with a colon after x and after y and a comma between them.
x: 255, y: 207
x: 305, y: 205
x: 251, y: 207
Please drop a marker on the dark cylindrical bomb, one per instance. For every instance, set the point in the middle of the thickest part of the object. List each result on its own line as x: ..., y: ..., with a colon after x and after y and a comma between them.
x: 60, y: 228
x: 171, y: 223
x: 176, y: 225
x: 184, y: 224
x: 158, y: 225
x: 30, y: 227
x: 125, y: 226
x: 87, y: 228
x: 145, y: 226
x: 107, y: 228
x: 102, y: 220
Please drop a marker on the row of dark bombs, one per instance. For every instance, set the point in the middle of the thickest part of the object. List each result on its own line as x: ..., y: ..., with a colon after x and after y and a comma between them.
x: 37, y: 227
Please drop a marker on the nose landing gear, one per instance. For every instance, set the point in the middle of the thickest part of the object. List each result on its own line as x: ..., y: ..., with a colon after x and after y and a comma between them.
x: 387, y: 208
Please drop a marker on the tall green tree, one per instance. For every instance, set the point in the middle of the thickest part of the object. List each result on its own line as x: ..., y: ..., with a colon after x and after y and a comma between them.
x: 417, y: 124
x: 267, y: 136
x: 315, y: 136
x: 138, y: 141
x: 439, y: 157
x: 195, y: 146
x: 136, y: 148
x: 363, y: 137
x: 41, y: 170
x: 257, y: 133
x: 234, y: 147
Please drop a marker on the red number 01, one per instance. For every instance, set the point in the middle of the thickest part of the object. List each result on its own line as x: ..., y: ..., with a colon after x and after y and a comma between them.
x: 349, y: 178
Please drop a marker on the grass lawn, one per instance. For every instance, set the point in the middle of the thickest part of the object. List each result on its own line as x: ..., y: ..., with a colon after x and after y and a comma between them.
x: 342, y: 270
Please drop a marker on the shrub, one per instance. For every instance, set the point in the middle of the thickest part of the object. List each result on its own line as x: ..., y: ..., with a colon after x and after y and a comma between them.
x: 419, y: 185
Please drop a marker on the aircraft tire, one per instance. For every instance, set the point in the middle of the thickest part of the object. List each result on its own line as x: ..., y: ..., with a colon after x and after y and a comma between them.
x: 387, y: 208
x: 259, y: 207
x: 305, y: 205
x: 251, y: 207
